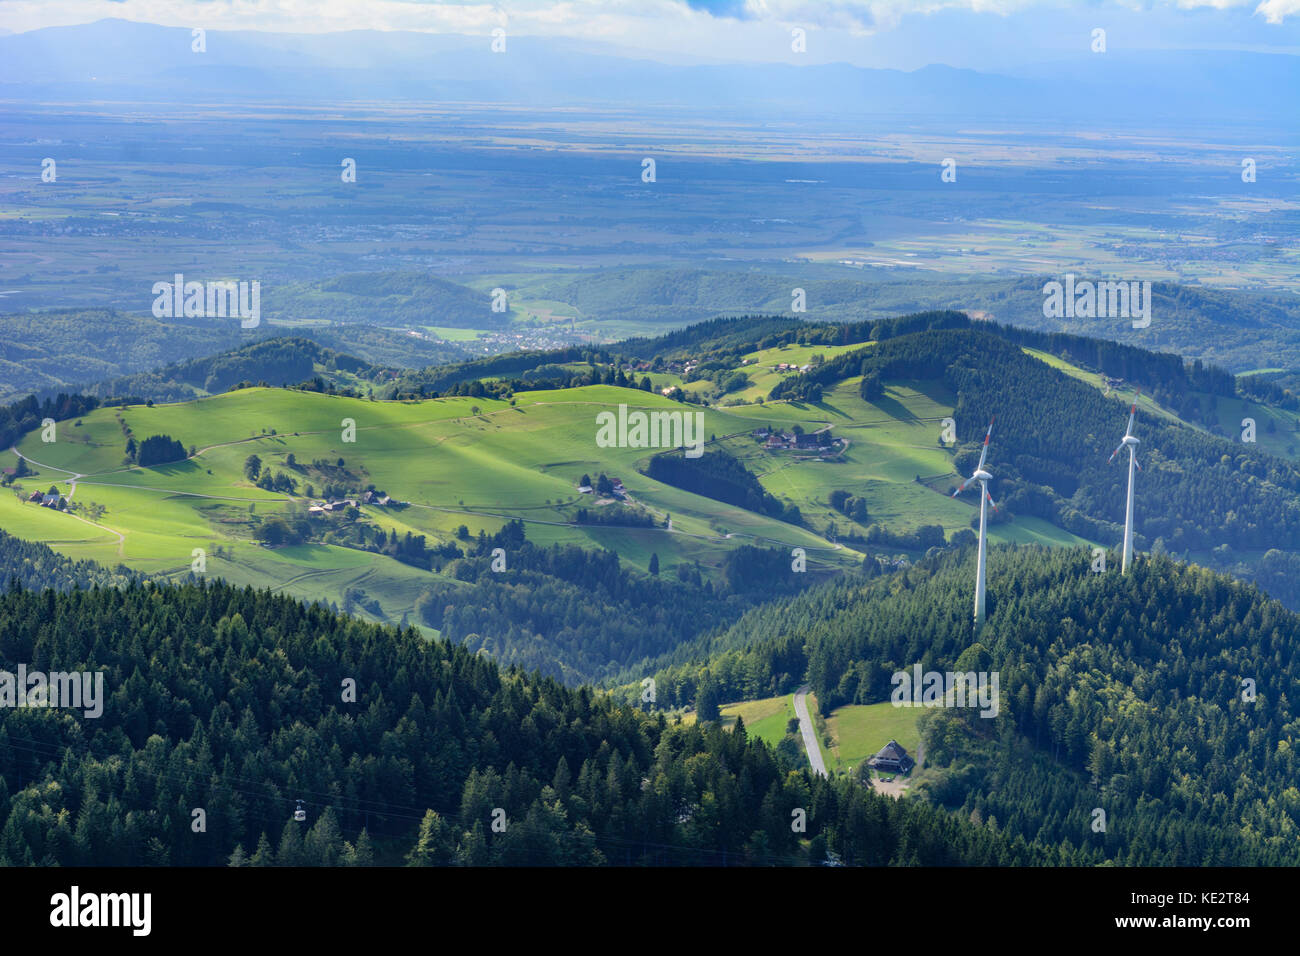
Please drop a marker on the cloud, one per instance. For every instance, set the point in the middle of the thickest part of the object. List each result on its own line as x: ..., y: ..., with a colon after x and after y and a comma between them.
x: 733, y: 9
x: 876, y: 15
x: 649, y: 23
x: 1274, y: 11
x: 857, y: 16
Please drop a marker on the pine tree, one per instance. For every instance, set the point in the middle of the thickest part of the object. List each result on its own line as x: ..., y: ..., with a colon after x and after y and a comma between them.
x: 364, y: 852
x: 290, y: 852
x: 431, y: 847
x: 263, y: 856
x: 321, y: 846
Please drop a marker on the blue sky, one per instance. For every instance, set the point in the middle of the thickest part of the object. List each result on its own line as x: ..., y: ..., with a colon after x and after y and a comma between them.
x: 983, y: 34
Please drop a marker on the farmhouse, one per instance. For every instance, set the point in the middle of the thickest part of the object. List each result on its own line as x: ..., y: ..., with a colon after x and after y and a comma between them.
x: 35, y: 496
x: 892, y: 758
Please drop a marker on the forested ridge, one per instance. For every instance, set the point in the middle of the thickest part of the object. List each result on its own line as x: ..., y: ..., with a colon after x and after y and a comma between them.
x: 232, y: 701
x: 34, y: 565
x: 1120, y: 692
x: 579, y: 614
x: 130, y: 355
x: 276, y: 361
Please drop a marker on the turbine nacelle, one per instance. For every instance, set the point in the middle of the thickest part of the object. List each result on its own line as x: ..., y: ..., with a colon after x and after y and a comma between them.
x: 1130, y: 440
x: 982, y: 475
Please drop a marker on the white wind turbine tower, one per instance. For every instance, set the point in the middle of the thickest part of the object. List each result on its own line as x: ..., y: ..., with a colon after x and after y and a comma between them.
x: 1132, y: 463
x: 983, y: 477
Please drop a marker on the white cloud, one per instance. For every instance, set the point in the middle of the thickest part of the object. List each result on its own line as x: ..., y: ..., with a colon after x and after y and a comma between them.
x: 615, y: 20
x: 1275, y: 11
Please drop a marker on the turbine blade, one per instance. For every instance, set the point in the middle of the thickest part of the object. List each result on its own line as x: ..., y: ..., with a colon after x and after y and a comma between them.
x: 1131, y: 412
x: 985, y: 452
x: 963, y: 486
x: 990, y: 498
x: 1138, y: 463
x: 1114, y: 453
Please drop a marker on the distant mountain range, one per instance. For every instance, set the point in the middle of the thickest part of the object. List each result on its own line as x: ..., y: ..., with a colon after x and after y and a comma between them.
x: 66, y: 351
x: 119, y: 59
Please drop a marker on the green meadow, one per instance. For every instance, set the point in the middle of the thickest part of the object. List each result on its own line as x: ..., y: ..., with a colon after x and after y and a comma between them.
x: 481, y: 462
x: 858, y: 731
x: 765, y: 719
x: 454, y: 461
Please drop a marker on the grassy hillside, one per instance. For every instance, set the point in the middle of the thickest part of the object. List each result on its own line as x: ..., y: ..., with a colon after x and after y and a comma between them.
x: 455, y: 461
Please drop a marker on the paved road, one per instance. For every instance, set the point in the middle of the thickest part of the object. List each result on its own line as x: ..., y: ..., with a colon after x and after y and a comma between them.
x: 809, y: 734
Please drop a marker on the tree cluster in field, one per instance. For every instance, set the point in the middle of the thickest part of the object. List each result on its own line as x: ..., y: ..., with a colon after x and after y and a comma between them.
x: 1134, y: 701
x: 156, y: 450
x: 410, y: 548
x: 616, y: 515
x: 346, y: 530
x: 720, y: 476
x: 851, y: 506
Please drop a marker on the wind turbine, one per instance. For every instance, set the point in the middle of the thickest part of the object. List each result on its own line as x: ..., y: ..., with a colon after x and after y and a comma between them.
x: 983, y: 477
x: 1132, y: 463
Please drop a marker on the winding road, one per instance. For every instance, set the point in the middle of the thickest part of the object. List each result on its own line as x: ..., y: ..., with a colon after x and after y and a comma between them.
x: 809, y: 733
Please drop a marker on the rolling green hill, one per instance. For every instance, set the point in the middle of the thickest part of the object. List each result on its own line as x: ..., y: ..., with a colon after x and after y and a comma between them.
x: 481, y: 461
x: 478, y: 463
